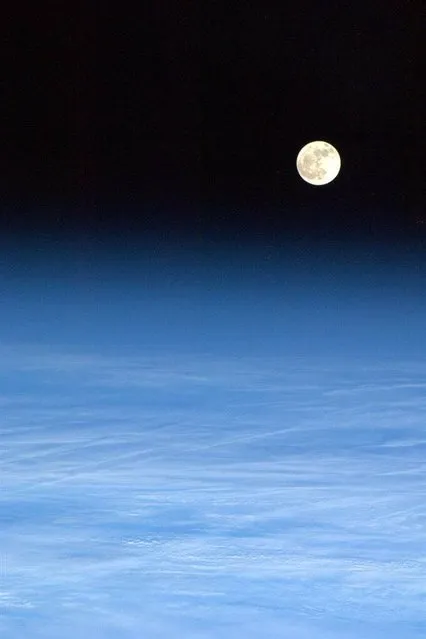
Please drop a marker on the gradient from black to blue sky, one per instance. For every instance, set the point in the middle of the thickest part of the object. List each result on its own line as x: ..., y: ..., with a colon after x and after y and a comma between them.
x: 212, y: 373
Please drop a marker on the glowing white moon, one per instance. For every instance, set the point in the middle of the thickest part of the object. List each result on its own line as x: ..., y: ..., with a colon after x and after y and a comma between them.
x: 318, y: 163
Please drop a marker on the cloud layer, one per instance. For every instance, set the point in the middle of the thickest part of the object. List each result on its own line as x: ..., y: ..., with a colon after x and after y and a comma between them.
x: 191, y: 496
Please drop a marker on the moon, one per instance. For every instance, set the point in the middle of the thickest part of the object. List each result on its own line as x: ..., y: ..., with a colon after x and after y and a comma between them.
x: 318, y: 163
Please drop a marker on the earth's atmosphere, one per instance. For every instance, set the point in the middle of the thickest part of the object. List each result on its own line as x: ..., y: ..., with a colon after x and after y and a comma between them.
x: 222, y: 446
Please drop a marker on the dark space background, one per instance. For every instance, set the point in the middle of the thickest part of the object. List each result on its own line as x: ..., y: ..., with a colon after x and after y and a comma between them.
x: 184, y: 119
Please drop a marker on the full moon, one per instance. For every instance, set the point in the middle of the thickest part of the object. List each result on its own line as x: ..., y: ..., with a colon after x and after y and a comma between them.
x: 318, y: 163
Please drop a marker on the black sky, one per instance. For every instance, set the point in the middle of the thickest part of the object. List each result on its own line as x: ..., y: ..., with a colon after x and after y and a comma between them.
x: 186, y: 118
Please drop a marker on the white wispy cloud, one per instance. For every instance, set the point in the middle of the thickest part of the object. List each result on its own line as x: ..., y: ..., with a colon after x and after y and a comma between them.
x: 193, y: 497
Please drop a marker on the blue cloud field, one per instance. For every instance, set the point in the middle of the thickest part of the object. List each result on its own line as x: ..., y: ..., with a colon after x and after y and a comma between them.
x: 175, y: 474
